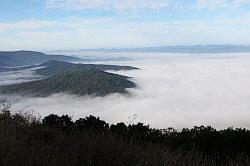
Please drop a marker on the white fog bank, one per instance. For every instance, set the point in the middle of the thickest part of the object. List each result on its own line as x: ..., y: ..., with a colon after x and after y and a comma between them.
x: 173, y: 90
x: 15, y: 77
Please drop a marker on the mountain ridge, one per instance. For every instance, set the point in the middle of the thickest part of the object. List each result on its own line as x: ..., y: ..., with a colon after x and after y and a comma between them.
x: 81, y: 83
x: 22, y: 58
x: 75, y: 79
x: 196, y: 49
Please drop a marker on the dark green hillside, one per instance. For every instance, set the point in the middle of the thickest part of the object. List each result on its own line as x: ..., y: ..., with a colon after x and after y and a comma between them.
x: 53, y: 67
x: 21, y: 58
x: 57, y: 67
x: 77, y: 82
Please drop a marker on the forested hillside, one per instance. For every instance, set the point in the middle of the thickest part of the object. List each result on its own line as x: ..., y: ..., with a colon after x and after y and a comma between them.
x: 77, y: 82
x: 57, y: 67
x: 65, y: 77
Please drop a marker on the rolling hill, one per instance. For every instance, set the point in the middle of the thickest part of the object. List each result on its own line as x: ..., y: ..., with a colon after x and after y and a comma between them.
x: 82, y: 82
x: 22, y: 58
x: 77, y: 79
x: 56, y: 67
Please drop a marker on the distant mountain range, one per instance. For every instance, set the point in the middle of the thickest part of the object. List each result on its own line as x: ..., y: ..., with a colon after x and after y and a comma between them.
x: 77, y: 79
x: 180, y: 49
x: 22, y: 58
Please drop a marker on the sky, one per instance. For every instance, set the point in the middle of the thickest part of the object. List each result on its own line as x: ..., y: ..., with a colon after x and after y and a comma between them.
x: 79, y: 24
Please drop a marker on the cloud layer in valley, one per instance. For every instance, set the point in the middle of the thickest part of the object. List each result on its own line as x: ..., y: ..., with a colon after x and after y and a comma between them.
x: 14, y: 77
x: 173, y: 90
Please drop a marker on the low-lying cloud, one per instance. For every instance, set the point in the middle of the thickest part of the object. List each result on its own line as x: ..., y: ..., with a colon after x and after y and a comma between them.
x: 14, y: 77
x: 173, y: 90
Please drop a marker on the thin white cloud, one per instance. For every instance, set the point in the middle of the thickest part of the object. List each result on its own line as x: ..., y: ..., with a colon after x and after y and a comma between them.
x: 27, y: 25
x: 110, y: 32
x: 218, y: 4
x: 108, y: 5
x: 132, y: 5
x: 48, y: 24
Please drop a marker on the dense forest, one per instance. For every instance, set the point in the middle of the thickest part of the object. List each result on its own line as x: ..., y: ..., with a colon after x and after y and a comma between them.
x: 57, y: 67
x: 53, y: 67
x: 90, y: 141
x: 76, y: 79
x: 77, y: 82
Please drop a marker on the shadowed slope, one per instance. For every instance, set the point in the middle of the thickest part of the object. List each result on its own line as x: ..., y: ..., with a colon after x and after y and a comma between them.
x: 77, y: 82
x: 57, y: 67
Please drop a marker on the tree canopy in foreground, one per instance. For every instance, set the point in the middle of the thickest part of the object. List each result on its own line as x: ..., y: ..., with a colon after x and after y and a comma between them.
x: 58, y: 140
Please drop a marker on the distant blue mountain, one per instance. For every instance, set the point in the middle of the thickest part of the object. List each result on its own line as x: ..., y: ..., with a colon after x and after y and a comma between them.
x: 21, y: 58
x: 196, y: 49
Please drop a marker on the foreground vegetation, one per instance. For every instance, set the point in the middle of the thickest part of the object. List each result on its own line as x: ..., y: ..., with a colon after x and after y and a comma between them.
x: 57, y: 140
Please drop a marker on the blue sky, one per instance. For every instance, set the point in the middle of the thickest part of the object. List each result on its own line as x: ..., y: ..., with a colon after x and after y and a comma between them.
x: 76, y: 24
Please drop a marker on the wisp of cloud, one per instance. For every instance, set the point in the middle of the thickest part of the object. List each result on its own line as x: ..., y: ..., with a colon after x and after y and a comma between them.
x: 14, y: 77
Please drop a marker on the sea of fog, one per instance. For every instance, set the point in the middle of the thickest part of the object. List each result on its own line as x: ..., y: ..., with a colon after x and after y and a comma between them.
x: 174, y: 90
